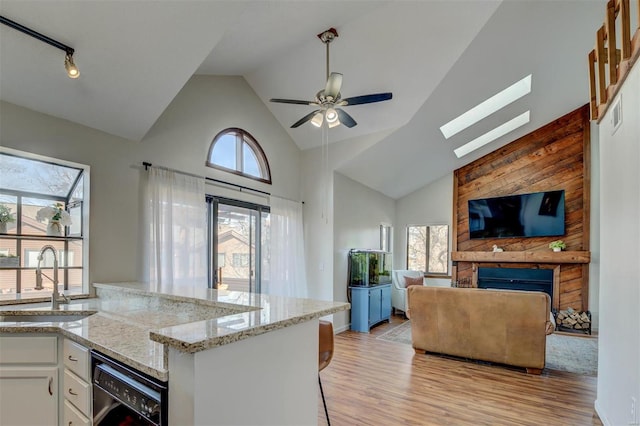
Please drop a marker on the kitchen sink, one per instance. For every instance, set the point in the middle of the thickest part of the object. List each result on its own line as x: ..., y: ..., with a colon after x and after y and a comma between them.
x: 42, y: 318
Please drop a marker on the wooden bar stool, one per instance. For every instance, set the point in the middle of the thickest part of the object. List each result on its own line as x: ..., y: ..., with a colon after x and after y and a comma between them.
x: 325, y: 355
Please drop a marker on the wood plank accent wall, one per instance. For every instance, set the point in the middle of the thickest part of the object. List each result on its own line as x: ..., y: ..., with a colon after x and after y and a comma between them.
x: 553, y: 157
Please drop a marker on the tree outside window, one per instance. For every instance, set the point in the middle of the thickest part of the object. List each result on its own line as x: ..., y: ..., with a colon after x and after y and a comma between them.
x: 428, y: 248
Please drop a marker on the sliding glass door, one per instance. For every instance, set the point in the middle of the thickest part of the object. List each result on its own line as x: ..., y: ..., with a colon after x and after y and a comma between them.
x: 238, y: 247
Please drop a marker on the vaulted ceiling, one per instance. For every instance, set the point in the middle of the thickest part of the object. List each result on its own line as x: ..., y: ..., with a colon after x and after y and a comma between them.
x: 439, y: 58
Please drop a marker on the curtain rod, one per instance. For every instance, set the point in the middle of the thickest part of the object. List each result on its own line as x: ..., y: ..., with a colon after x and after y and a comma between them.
x: 240, y: 187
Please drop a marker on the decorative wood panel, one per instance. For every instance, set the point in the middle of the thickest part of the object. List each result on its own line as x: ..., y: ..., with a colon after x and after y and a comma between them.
x: 553, y: 157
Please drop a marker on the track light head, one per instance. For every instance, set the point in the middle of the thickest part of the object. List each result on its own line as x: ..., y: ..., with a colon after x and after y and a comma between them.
x: 72, y: 70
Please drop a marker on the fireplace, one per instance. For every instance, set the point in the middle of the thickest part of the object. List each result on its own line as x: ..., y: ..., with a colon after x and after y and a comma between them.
x: 529, y: 279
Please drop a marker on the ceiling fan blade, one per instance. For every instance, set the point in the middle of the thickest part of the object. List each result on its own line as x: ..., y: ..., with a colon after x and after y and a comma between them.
x: 345, y: 118
x: 304, y: 119
x: 366, y: 99
x: 334, y: 83
x: 292, y: 101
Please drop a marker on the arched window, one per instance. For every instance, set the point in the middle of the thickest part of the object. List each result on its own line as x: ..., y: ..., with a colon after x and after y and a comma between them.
x: 236, y: 151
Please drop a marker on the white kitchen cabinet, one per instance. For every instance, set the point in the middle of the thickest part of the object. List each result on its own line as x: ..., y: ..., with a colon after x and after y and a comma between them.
x: 76, y: 384
x: 28, y: 380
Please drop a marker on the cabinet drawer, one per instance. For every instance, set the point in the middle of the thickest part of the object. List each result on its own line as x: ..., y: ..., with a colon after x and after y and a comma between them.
x: 77, y: 392
x: 28, y: 350
x: 73, y: 417
x: 77, y: 359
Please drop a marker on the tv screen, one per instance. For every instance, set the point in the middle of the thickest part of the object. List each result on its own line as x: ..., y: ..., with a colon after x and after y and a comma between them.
x: 539, y: 214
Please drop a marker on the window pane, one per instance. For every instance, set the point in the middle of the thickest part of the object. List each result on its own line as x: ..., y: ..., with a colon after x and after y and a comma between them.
x: 76, y: 220
x: 8, y: 248
x: 8, y: 281
x: 8, y: 216
x: 235, y: 228
x: 250, y: 164
x: 235, y: 149
x: 30, y: 207
x: 31, y: 249
x: 78, y: 192
x: 438, y: 249
x: 75, y: 253
x: 224, y: 151
x: 24, y: 174
x: 75, y: 281
x: 417, y: 248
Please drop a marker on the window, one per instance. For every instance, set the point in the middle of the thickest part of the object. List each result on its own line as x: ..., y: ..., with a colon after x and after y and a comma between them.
x: 238, y: 244
x: 428, y: 248
x: 236, y: 151
x: 240, y: 260
x: 28, y: 184
x: 385, y: 238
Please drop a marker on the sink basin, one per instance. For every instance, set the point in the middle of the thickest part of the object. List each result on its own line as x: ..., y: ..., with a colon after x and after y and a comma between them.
x: 42, y: 318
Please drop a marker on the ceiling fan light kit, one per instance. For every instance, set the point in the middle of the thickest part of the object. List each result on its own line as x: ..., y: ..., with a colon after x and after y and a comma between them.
x: 330, y: 99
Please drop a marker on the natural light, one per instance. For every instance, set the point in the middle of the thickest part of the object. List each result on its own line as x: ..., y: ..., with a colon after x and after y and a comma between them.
x: 488, y: 107
x: 492, y: 135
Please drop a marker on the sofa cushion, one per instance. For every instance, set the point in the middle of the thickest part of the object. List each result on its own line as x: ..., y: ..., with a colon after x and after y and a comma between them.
x: 409, y: 281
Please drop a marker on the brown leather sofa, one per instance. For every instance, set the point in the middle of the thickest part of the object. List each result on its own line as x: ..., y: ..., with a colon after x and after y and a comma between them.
x: 506, y: 327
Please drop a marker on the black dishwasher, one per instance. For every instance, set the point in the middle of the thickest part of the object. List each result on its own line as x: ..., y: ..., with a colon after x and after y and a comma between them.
x: 123, y: 396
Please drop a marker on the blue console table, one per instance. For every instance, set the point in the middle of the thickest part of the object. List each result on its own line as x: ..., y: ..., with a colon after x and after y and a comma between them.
x: 369, y: 306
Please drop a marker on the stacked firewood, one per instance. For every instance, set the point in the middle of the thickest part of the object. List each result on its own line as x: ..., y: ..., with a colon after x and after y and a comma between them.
x: 574, y: 320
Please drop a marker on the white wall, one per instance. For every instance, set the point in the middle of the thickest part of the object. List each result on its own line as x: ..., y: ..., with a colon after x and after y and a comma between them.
x: 594, y: 232
x: 179, y: 139
x: 318, y: 189
x: 429, y: 205
x: 619, y: 331
x: 358, y: 213
x: 113, y: 248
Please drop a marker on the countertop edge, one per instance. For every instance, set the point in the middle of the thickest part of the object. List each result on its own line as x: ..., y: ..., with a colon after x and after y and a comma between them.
x: 197, y: 346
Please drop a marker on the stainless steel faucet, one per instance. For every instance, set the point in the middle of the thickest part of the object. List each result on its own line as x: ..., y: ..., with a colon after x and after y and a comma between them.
x: 56, y: 298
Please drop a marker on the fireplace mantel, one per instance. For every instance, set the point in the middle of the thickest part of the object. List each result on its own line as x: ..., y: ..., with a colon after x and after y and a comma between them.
x: 548, y: 257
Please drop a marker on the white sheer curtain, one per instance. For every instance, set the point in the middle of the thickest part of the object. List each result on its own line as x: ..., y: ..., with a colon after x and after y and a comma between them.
x: 287, y: 266
x: 176, y: 224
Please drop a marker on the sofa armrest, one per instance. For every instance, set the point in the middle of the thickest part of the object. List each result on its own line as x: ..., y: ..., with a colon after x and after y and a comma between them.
x: 551, y: 324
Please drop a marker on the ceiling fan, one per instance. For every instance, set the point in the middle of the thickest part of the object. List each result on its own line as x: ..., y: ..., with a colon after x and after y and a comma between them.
x: 329, y: 99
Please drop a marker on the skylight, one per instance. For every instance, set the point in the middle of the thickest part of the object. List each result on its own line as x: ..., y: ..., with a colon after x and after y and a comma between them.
x: 492, y: 135
x: 36, y: 177
x: 488, y: 107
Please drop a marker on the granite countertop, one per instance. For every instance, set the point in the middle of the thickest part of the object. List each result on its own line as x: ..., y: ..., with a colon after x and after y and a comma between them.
x: 136, y: 323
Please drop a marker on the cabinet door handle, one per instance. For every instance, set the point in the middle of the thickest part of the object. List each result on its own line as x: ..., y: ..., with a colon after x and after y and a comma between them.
x: 50, y: 384
x: 72, y: 392
x: 72, y: 358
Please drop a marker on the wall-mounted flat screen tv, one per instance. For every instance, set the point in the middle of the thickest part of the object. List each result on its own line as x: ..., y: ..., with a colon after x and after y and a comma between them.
x: 539, y: 214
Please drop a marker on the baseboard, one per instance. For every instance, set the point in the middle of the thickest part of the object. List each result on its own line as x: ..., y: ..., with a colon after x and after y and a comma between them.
x: 600, y: 413
x: 341, y: 329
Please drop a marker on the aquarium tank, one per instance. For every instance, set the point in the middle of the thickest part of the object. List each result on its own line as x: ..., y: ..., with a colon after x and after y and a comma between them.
x: 369, y: 267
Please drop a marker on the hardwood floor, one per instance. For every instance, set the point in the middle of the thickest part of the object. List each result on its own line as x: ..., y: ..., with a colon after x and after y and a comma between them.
x: 375, y: 382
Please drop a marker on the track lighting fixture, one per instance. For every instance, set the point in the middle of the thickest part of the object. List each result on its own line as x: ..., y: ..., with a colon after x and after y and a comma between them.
x: 72, y: 70
x: 69, y: 65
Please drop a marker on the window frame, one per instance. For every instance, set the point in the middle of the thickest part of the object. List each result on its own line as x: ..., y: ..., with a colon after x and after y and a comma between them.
x: 255, y: 263
x: 242, y: 137
x: 427, y: 272
x: 22, y: 239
